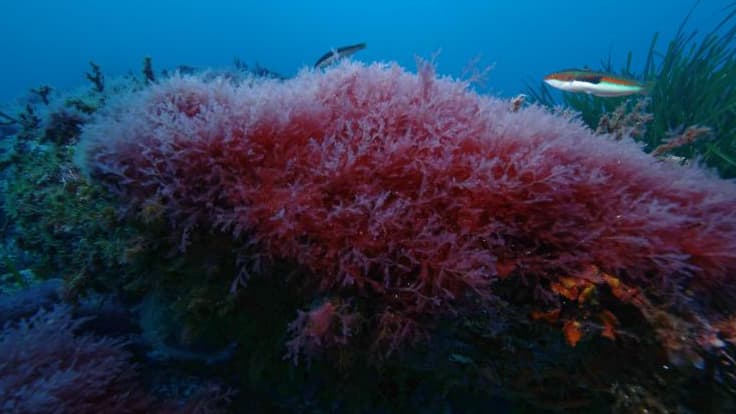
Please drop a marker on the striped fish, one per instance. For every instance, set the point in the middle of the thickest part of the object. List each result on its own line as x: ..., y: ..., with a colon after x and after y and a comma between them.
x: 595, y: 83
x: 336, y: 54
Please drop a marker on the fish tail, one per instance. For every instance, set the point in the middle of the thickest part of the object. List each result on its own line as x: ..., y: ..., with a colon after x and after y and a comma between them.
x: 647, y: 87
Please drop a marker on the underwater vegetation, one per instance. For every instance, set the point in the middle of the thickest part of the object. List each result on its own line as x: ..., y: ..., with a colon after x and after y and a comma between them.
x: 419, y: 197
x: 55, y: 225
x: 46, y: 368
x: 401, y: 199
x: 692, y: 83
x: 358, y: 239
x: 49, y: 366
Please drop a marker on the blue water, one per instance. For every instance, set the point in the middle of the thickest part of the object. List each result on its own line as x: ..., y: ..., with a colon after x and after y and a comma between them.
x: 52, y: 41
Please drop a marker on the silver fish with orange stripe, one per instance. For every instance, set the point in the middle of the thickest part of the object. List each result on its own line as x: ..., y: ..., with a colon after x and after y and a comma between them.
x: 595, y: 83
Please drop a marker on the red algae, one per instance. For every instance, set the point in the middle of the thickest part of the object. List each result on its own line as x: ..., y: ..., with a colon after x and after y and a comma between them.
x: 411, y: 187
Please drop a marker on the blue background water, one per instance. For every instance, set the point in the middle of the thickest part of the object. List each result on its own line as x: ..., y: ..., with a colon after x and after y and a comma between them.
x: 52, y: 41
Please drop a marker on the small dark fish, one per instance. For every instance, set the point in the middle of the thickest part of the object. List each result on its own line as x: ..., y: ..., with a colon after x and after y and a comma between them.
x: 336, y: 54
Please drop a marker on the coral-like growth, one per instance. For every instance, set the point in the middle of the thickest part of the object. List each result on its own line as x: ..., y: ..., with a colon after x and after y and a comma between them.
x: 411, y: 189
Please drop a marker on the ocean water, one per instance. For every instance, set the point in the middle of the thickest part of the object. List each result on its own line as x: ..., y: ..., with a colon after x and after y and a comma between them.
x: 51, y: 42
x: 362, y: 238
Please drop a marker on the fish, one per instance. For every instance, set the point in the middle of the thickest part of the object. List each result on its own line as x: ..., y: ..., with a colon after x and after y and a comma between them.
x: 595, y: 83
x: 336, y: 54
